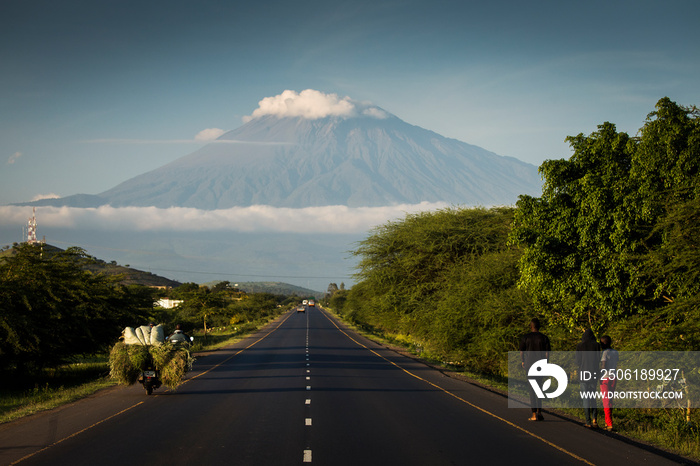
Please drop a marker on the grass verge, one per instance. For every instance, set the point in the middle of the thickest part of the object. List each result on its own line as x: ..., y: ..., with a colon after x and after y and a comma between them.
x: 53, y: 387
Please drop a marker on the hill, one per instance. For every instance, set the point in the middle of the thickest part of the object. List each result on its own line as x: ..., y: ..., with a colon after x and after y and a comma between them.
x: 130, y: 276
x: 278, y: 288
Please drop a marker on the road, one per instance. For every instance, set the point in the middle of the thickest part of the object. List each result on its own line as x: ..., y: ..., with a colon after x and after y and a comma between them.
x: 308, y: 390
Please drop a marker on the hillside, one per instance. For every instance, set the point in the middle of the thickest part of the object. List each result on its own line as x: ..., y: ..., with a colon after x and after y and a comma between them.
x: 278, y: 288
x: 130, y: 275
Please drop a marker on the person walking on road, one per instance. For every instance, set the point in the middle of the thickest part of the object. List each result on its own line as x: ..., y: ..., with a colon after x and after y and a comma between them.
x: 588, y: 361
x: 534, y: 346
x: 608, y: 361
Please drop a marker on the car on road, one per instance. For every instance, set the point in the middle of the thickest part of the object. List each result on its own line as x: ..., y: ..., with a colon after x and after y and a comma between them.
x: 301, y: 309
x: 312, y: 303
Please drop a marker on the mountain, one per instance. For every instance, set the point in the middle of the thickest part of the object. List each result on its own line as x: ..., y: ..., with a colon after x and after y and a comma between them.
x: 295, y: 162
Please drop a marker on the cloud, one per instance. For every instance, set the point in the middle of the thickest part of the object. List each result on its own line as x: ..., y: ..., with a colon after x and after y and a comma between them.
x: 209, y: 134
x: 259, y: 218
x: 312, y: 104
x: 39, y: 197
x: 13, y: 158
x: 375, y: 112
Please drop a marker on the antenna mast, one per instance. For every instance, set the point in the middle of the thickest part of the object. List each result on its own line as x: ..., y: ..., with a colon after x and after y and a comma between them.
x: 31, y: 228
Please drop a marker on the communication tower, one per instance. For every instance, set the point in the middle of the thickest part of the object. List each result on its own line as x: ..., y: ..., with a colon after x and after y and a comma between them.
x: 31, y: 228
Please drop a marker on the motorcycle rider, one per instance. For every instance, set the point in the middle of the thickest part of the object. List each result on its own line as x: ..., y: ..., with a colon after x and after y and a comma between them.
x: 179, y: 337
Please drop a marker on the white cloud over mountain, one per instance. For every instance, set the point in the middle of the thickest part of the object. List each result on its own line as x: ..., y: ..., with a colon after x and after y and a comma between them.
x: 257, y: 218
x: 312, y: 104
x: 209, y: 134
x: 39, y: 197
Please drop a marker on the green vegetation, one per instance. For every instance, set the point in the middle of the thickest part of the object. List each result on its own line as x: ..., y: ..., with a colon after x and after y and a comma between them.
x: 52, y: 388
x: 220, y: 306
x: 53, y: 309
x: 611, y: 244
x: 62, y: 313
x: 447, y: 279
x: 611, y: 237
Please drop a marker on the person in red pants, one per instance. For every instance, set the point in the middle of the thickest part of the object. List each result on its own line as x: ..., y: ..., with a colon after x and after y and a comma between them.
x: 608, y: 361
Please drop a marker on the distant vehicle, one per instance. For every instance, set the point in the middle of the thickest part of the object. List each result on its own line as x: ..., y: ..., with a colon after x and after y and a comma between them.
x: 312, y: 303
x: 304, y: 302
x: 301, y: 309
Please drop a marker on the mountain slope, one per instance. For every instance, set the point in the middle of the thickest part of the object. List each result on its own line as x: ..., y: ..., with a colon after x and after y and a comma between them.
x: 297, y: 162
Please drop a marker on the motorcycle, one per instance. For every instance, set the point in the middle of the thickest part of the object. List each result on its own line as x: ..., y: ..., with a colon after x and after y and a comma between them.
x: 150, y: 377
x: 150, y: 380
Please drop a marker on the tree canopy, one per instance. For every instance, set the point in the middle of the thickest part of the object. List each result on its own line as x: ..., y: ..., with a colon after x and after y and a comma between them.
x: 445, y: 280
x: 603, y: 214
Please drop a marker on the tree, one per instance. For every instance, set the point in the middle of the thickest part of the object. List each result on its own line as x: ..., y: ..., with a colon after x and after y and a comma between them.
x: 446, y: 282
x: 200, y: 304
x: 674, y: 268
x: 332, y: 289
x: 404, y: 263
x: 586, y: 238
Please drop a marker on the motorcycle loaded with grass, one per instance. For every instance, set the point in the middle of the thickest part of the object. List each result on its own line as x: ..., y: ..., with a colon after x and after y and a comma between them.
x: 146, y: 356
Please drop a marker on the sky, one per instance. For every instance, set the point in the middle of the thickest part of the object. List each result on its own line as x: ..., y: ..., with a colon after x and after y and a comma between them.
x: 94, y: 93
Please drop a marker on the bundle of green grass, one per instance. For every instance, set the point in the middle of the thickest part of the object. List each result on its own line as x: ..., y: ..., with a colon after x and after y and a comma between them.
x: 145, y: 348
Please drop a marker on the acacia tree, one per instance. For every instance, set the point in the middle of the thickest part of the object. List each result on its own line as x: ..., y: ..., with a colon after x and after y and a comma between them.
x: 446, y: 279
x: 586, y: 239
x: 405, y: 263
x: 200, y: 305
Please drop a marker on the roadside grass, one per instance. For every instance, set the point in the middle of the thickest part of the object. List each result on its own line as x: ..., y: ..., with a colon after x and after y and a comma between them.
x: 673, y: 430
x: 53, y: 387
x: 219, y: 338
x: 58, y: 386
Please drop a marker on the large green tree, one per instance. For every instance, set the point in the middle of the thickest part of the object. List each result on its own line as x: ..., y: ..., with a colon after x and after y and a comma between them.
x: 404, y: 263
x: 446, y: 281
x: 587, y: 238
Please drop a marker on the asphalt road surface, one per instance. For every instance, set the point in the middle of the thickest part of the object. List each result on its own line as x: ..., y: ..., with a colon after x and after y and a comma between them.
x: 308, y: 390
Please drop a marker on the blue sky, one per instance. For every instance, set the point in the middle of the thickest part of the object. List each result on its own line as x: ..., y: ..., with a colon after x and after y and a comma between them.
x: 93, y: 93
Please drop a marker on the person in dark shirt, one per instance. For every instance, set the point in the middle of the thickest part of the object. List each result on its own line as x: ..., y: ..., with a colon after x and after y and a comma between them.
x: 588, y: 361
x: 533, y: 347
